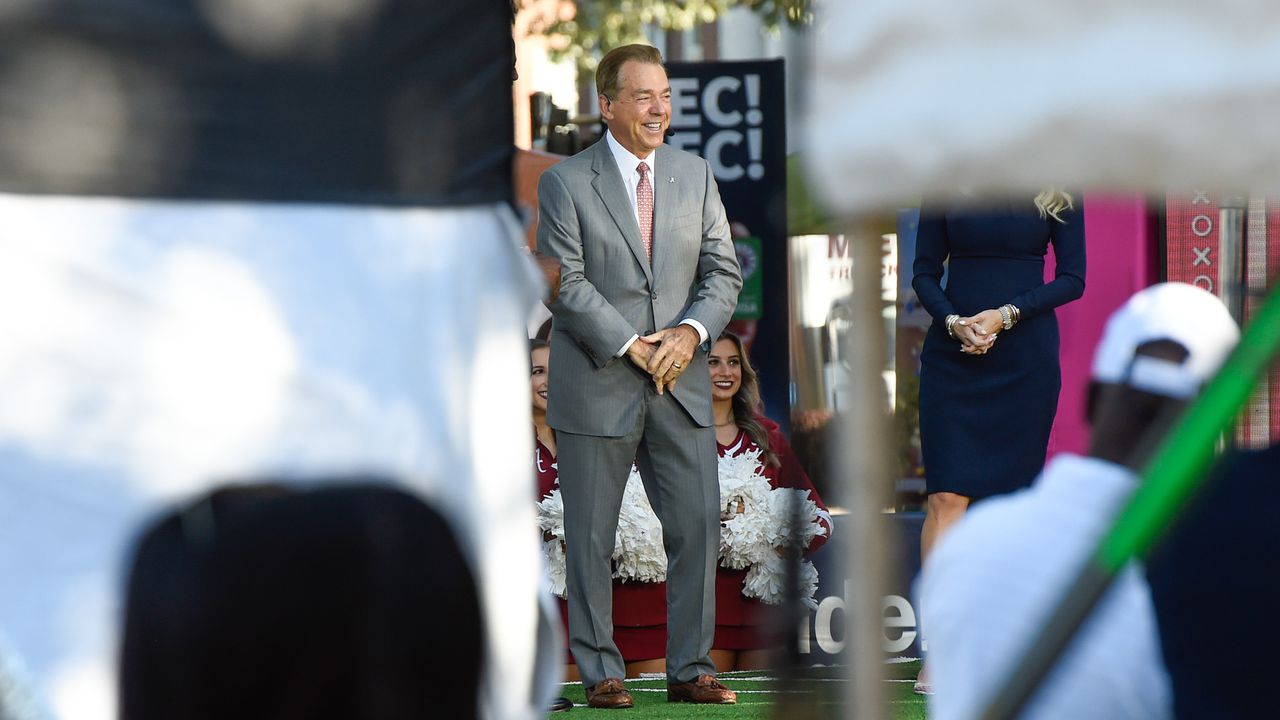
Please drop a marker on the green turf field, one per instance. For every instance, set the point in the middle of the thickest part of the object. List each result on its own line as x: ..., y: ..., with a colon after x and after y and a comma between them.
x: 757, y: 693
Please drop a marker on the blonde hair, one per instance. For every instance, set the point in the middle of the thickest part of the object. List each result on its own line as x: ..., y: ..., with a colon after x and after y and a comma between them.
x: 1052, y: 201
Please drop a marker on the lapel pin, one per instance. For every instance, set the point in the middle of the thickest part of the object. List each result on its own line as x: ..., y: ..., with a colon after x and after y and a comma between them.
x: 671, y: 179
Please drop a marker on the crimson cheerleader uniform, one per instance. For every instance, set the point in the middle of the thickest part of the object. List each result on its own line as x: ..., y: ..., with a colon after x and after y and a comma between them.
x: 740, y: 619
x: 639, y: 608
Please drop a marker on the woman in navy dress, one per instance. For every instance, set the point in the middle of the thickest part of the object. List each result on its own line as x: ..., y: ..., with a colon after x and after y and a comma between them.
x: 987, y: 406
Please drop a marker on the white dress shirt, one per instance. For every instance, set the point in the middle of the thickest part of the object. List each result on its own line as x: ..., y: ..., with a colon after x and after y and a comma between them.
x: 991, y: 582
x: 627, y: 168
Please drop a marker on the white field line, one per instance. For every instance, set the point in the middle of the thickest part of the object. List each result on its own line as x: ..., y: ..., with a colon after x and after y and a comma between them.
x: 759, y: 679
x: 745, y: 673
x: 740, y: 692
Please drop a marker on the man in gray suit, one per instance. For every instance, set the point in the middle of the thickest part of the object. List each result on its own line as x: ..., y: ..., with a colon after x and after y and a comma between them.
x: 648, y: 275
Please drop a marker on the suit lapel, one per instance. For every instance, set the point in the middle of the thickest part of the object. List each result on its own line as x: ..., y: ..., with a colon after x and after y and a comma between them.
x: 664, y: 195
x: 613, y: 193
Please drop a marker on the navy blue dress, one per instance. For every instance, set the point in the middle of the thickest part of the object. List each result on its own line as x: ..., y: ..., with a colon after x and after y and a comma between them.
x: 985, y: 419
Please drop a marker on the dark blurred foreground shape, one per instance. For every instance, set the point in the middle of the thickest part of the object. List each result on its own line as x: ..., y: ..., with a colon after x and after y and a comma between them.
x: 376, y: 102
x: 1219, y: 562
x: 349, y: 601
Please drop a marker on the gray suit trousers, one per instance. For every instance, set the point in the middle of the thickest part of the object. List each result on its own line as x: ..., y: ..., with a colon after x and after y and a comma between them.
x: 677, y: 461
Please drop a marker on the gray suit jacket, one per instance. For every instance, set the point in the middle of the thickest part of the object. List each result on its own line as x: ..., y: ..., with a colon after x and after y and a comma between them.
x: 608, y: 291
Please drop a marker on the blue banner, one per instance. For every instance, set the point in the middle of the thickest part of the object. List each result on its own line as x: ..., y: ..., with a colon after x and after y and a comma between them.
x: 734, y: 115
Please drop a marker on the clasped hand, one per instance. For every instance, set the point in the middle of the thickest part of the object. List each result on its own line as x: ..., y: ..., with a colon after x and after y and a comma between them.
x: 665, y: 355
x: 977, y: 333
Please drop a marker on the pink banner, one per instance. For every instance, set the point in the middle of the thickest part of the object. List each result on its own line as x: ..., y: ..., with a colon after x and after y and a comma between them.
x: 1120, y: 262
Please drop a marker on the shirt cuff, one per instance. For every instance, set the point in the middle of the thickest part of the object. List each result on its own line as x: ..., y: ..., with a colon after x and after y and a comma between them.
x: 626, y: 346
x: 703, y: 335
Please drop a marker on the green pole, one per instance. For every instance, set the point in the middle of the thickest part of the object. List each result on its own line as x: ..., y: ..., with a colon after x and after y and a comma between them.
x: 1175, y: 471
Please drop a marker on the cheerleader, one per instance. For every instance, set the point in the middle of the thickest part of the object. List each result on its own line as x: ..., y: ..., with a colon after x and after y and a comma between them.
x: 544, y: 438
x: 740, y: 643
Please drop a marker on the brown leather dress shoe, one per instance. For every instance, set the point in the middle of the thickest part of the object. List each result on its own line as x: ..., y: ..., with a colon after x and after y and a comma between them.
x: 609, y: 693
x: 705, y: 689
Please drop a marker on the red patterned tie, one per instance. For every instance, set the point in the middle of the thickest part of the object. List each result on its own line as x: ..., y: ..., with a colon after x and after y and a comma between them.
x: 644, y: 204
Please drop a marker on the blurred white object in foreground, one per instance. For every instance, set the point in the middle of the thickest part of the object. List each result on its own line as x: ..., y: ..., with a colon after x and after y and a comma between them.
x: 149, y: 350
x: 927, y: 97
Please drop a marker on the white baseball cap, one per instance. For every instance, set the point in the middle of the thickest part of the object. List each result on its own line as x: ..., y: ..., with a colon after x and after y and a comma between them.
x: 1185, y: 314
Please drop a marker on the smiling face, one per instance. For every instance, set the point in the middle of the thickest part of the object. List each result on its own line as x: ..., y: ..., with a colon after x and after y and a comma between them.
x: 725, y: 365
x: 640, y: 112
x: 538, y: 378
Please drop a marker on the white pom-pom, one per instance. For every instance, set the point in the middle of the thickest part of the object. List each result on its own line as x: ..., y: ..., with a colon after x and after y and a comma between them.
x: 760, y: 520
x: 742, y: 482
x: 766, y: 580
x: 744, y: 502
x: 744, y: 540
x: 551, y: 522
x: 553, y: 553
x: 638, y: 553
x: 793, y: 518
x: 551, y: 514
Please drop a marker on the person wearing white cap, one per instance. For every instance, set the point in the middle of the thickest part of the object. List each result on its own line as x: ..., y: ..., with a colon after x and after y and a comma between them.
x: 993, y: 580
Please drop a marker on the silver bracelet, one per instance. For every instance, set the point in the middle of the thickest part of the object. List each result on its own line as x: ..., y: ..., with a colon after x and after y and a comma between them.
x: 1006, y: 317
